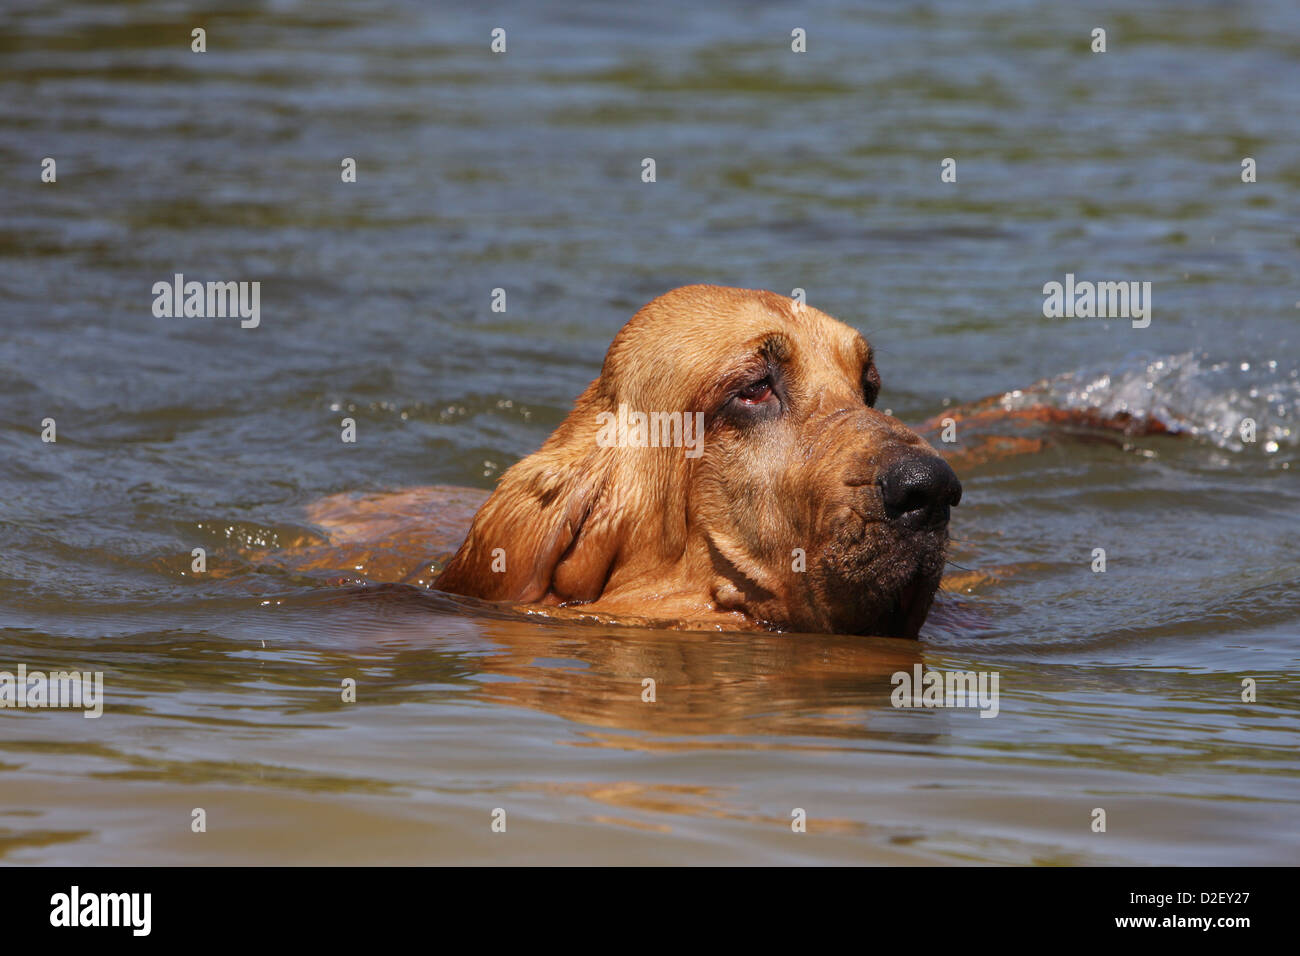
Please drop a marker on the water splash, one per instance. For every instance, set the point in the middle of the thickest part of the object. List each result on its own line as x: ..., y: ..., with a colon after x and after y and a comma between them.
x: 1190, y: 393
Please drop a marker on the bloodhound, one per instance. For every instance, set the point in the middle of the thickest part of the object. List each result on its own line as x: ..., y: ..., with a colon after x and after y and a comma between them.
x: 800, y: 506
x: 727, y: 470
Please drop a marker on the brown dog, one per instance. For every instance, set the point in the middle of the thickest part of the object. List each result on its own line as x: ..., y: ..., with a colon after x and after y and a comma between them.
x: 803, y: 508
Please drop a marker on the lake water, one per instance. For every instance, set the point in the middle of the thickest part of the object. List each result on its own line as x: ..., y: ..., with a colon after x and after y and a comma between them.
x: 1119, y: 690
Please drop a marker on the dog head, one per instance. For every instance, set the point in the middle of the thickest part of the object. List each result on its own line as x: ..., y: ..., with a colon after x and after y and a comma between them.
x: 728, y: 468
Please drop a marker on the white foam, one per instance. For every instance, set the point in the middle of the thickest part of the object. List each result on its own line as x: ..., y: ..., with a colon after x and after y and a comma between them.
x: 1189, y: 393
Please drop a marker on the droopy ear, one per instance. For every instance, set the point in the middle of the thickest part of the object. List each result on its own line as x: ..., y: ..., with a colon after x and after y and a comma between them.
x: 549, y: 531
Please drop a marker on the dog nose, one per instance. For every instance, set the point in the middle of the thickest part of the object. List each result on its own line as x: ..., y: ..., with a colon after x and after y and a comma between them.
x: 918, y: 490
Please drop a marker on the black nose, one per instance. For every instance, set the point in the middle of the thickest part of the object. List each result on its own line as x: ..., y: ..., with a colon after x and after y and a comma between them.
x: 918, y: 490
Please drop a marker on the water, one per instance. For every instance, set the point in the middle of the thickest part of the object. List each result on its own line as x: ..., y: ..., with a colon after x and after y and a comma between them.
x: 821, y: 171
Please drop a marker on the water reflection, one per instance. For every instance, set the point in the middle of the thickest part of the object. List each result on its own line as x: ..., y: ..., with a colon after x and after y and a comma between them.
x: 741, y: 685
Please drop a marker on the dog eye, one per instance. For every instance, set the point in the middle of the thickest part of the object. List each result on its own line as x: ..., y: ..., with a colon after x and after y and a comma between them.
x: 756, y: 393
